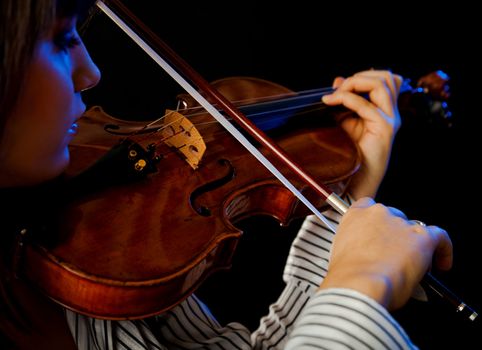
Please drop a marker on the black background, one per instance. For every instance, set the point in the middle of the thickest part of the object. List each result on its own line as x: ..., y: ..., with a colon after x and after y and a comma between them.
x: 433, y: 175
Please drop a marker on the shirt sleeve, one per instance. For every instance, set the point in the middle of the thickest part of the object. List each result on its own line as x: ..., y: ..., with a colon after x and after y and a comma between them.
x: 307, y: 317
x: 328, y: 319
x: 346, y: 319
x: 305, y: 268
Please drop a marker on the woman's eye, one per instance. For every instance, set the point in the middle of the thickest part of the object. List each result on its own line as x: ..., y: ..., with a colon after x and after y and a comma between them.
x: 67, y: 40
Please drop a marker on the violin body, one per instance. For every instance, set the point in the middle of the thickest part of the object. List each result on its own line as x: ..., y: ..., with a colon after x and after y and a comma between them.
x: 131, y: 250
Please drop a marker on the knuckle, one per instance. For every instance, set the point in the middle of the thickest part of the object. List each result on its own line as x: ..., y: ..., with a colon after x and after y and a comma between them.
x: 348, y: 81
x: 381, y: 84
x: 379, y: 209
x: 398, y: 78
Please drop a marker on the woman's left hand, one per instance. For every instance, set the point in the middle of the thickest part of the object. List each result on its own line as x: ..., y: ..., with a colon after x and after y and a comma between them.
x: 376, y: 125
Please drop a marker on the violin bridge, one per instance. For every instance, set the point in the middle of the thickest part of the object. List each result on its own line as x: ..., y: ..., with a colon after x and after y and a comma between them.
x: 180, y: 133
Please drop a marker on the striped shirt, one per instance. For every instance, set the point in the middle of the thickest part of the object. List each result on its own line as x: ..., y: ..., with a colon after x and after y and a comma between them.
x: 303, y: 317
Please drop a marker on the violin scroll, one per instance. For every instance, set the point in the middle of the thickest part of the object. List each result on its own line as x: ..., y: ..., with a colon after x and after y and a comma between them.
x: 426, y: 103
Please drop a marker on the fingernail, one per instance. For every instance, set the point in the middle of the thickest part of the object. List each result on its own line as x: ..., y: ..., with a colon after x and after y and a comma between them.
x: 327, y: 98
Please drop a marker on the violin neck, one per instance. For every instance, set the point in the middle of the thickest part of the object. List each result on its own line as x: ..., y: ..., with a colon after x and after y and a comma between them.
x: 274, y: 113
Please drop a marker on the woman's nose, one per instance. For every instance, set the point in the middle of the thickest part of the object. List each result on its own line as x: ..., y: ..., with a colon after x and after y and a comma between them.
x: 86, y: 74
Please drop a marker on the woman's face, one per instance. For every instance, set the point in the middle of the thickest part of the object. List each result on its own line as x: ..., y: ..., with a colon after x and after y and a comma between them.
x: 34, y: 147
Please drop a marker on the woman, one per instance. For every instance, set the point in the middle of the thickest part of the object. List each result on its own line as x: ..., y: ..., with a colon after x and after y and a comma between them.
x: 45, y: 67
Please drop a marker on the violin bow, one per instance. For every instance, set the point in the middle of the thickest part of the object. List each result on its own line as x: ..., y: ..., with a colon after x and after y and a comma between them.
x: 164, y: 53
x: 116, y: 9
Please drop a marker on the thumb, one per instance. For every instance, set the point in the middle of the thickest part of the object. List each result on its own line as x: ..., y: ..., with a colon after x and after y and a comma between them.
x: 363, y: 202
x: 443, y: 255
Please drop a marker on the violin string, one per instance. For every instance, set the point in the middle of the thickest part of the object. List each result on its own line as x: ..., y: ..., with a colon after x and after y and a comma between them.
x: 293, y: 96
x: 261, y: 123
x: 319, y: 106
x: 161, y: 128
x: 215, y: 113
x: 263, y: 100
x: 271, y: 99
x: 286, y: 109
x: 302, y: 94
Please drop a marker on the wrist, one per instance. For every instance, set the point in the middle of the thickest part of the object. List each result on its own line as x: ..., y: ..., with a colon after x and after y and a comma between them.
x: 367, y: 180
x: 375, y: 286
x: 364, y: 185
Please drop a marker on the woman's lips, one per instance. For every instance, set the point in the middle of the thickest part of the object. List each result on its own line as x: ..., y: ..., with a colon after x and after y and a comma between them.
x: 74, y: 128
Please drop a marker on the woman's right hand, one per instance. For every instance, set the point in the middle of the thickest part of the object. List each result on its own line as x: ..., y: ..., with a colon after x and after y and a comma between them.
x: 381, y: 254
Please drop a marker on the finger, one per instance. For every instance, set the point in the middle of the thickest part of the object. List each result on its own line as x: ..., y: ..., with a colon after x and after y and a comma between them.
x: 380, y: 93
x: 393, y: 81
x: 443, y: 255
x: 363, y: 202
x: 356, y: 103
x: 397, y: 212
x: 337, y: 82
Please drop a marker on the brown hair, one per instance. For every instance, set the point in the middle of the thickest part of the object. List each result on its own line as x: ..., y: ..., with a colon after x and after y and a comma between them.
x: 22, y: 23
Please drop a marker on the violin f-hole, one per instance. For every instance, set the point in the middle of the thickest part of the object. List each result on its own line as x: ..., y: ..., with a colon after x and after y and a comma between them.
x: 193, y: 198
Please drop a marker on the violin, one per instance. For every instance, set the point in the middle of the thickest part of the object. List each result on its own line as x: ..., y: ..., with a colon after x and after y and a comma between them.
x: 133, y: 243
x: 137, y: 247
x: 151, y: 215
